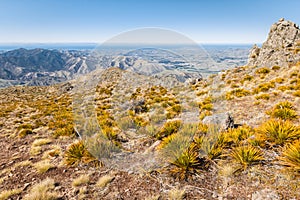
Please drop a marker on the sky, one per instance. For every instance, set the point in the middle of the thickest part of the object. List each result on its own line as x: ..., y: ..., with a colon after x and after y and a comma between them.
x: 96, y: 21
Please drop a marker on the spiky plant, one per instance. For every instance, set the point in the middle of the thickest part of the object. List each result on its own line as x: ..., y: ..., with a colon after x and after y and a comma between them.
x: 235, y: 136
x: 166, y: 140
x: 278, y: 131
x: 169, y: 128
x: 247, y: 155
x: 77, y: 153
x: 283, y: 110
x: 181, y: 153
x: 291, y: 155
x: 185, y: 162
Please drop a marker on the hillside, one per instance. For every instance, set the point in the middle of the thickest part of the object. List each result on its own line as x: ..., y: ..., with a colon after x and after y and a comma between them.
x: 116, y: 134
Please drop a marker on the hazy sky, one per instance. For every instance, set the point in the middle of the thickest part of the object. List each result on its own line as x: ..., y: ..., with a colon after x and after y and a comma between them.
x: 205, y: 21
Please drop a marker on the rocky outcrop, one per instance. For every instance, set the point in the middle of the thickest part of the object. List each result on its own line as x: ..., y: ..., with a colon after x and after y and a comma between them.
x: 281, y: 47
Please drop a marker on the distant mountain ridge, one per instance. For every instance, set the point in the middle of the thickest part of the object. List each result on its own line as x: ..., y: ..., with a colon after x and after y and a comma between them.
x: 39, y: 66
x: 45, y: 66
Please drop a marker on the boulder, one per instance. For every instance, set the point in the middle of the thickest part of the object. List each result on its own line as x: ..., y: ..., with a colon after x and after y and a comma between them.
x: 222, y: 120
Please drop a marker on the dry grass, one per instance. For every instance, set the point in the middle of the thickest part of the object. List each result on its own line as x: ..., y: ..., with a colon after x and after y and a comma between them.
x: 6, y: 194
x: 42, y: 191
x: 81, y: 180
x: 42, y: 141
x: 104, y: 180
x: 43, y: 166
x: 54, y: 152
x: 176, y: 194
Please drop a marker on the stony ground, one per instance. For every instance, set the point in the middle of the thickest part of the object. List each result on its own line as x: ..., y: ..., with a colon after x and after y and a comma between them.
x: 37, y: 129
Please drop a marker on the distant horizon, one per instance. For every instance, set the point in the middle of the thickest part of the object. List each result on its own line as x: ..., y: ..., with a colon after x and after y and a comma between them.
x: 90, y: 46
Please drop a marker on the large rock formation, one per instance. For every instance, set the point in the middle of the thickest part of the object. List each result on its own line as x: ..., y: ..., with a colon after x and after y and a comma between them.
x: 281, y: 48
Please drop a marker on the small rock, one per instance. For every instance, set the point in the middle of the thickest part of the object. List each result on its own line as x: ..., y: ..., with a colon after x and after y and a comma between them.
x: 26, y: 185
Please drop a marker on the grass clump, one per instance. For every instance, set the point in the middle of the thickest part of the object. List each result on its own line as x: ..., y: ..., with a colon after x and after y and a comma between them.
x: 279, y: 132
x: 291, y: 155
x: 81, y: 180
x: 6, y: 194
x: 36, y: 146
x: 297, y: 93
x: 262, y: 70
x: 104, y: 181
x: 43, y: 166
x: 247, y: 78
x: 25, y: 132
x: 276, y: 68
x: 169, y: 128
x: 247, y: 155
x: 176, y: 194
x: 77, y: 153
x: 40, y: 142
x: 262, y: 96
x: 239, y: 92
x: 283, y: 110
x: 43, y: 191
x: 25, y: 126
x: 182, y: 153
x: 264, y: 87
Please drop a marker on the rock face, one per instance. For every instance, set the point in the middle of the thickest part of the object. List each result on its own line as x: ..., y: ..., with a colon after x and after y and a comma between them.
x: 281, y: 48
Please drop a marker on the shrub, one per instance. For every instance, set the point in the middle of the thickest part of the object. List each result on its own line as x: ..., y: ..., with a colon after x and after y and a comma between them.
x: 262, y: 70
x: 291, y: 155
x: 283, y: 88
x: 247, y: 155
x: 25, y: 126
x: 239, y: 92
x: 276, y: 68
x: 202, y: 92
x: 206, y: 106
x: 140, y: 121
x: 263, y: 96
x: 204, y: 113
x: 279, y: 80
x: 278, y: 131
x: 25, y: 132
x: 294, y: 74
x: 297, y: 93
x: 247, y: 78
x: 264, y: 87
